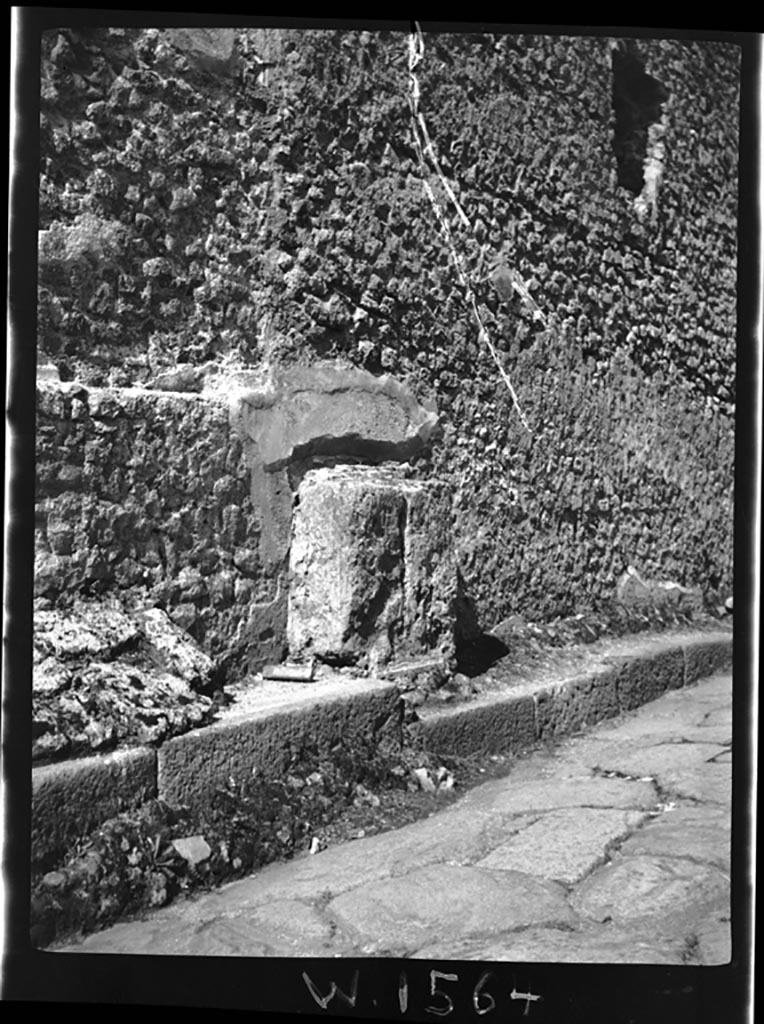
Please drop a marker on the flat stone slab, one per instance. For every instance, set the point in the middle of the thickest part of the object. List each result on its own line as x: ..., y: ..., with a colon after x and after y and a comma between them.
x: 698, y: 833
x: 540, y: 795
x: 598, y: 944
x: 662, y: 726
x: 281, y: 928
x: 714, y: 941
x: 332, y: 409
x: 564, y: 845
x: 402, y: 914
x: 639, y: 760
x: 708, y: 784
x: 715, y: 687
x: 657, y: 889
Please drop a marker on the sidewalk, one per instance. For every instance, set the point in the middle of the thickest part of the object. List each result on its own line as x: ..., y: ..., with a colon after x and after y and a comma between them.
x: 613, y: 847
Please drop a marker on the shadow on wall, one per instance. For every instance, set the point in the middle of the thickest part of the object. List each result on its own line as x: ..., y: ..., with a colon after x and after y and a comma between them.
x: 476, y: 650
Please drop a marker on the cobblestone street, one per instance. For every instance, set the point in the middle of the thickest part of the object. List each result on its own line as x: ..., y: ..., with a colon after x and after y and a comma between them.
x: 612, y: 847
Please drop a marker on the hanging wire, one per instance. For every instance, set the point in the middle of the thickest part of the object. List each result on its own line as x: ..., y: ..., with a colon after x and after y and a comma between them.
x: 425, y: 150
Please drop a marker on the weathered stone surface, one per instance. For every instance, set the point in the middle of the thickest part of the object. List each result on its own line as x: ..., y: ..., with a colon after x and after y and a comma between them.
x: 146, y: 495
x: 361, y: 569
x: 564, y: 845
x: 262, y: 739
x: 285, y: 927
x: 174, y: 648
x: 103, y: 676
x: 633, y: 589
x: 327, y: 409
x: 662, y: 898
x: 658, y: 889
x: 407, y: 318
x: 540, y: 795
x: 297, y: 415
x: 596, y: 944
x: 713, y: 940
x: 211, y: 49
x: 406, y: 912
x: 698, y: 833
x: 643, y: 679
x: 430, y: 575
x: 703, y: 657
x: 70, y: 799
x: 709, y: 783
x: 89, y: 630
x: 668, y: 762
x: 568, y: 706
x: 501, y: 726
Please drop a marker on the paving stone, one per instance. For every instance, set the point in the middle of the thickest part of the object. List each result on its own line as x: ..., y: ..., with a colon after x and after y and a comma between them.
x: 715, y: 687
x: 459, y: 838
x: 441, y: 901
x: 661, y: 760
x: 534, y: 796
x: 606, y: 943
x: 698, y: 833
x: 281, y: 928
x: 662, y: 725
x: 724, y: 758
x: 657, y: 889
x: 714, y: 940
x: 709, y: 783
x: 564, y: 845
x: 718, y: 718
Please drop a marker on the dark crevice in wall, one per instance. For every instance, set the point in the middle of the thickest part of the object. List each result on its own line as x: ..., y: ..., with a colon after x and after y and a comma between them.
x: 637, y: 103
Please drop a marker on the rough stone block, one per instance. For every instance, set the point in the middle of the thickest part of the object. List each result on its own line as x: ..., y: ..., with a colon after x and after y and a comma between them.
x: 328, y: 409
x: 707, y: 656
x: 70, y: 799
x: 575, y: 703
x: 647, y: 676
x: 191, y: 767
x: 210, y: 49
x: 104, y: 676
x: 368, y: 578
x: 500, y: 727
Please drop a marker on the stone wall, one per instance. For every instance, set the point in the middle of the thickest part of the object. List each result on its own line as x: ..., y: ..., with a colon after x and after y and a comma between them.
x: 145, y: 497
x: 198, y: 209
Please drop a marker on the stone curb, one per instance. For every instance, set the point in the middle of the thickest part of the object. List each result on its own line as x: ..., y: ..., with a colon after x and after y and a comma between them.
x: 71, y: 798
x: 509, y: 723
x: 192, y: 766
